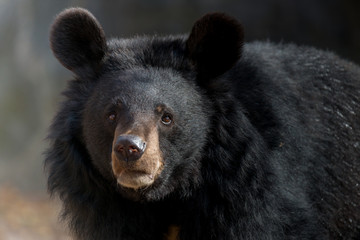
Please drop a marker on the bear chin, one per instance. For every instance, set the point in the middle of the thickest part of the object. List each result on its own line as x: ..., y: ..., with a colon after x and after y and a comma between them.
x: 135, y: 179
x: 148, y: 193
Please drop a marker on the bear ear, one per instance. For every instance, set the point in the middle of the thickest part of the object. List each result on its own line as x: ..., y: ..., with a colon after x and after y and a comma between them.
x: 78, y: 41
x: 214, y: 44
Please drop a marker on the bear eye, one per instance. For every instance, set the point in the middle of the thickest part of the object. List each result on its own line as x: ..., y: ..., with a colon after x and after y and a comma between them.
x: 166, y: 119
x: 112, y: 117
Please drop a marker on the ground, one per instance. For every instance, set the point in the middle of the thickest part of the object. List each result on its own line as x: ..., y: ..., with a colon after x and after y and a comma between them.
x: 25, y: 217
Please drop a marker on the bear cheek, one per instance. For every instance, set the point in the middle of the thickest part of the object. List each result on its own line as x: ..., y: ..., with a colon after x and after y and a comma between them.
x: 142, y: 172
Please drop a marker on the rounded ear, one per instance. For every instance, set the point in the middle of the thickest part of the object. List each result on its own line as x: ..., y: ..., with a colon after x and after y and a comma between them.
x: 78, y: 41
x: 215, y: 44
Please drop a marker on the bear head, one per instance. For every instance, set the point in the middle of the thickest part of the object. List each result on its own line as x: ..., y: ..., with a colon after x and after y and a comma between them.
x: 141, y: 107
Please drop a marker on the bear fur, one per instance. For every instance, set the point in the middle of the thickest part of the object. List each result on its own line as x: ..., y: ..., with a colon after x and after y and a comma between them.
x: 224, y: 139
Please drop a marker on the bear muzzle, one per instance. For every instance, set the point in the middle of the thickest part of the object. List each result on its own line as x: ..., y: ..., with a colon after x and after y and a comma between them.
x: 135, y: 162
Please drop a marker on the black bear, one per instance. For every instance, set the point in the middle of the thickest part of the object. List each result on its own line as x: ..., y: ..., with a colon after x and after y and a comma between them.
x: 203, y: 136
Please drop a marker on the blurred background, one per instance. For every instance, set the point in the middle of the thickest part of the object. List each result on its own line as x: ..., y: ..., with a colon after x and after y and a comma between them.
x: 31, y: 79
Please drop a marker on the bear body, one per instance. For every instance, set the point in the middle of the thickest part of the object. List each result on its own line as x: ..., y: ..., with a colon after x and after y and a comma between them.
x: 201, y: 136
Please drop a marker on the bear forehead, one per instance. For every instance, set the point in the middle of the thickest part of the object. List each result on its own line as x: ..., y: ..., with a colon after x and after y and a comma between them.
x: 150, y: 51
x: 145, y: 86
x: 145, y: 80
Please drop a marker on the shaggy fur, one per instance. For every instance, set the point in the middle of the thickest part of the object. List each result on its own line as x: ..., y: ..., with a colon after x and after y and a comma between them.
x: 265, y: 142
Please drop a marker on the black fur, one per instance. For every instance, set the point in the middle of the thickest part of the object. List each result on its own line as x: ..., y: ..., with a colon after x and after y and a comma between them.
x: 203, y: 45
x: 263, y: 146
x: 78, y: 41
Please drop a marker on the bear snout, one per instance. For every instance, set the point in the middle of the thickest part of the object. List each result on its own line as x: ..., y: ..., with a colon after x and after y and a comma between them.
x: 129, y: 148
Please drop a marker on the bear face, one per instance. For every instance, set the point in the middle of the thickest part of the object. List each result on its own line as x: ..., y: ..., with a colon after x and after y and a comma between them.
x: 147, y: 105
x: 146, y: 116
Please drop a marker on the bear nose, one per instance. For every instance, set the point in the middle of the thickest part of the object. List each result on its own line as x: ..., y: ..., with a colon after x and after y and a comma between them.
x: 129, y: 147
